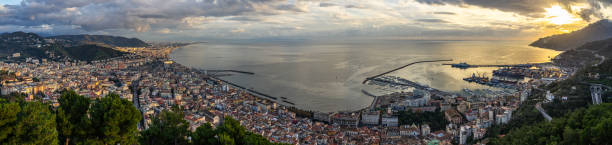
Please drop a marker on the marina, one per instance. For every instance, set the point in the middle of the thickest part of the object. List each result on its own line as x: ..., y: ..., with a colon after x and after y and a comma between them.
x: 493, y: 82
x: 390, y: 80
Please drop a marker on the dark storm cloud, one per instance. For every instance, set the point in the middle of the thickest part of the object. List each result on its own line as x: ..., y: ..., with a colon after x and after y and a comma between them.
x: 139, y: 15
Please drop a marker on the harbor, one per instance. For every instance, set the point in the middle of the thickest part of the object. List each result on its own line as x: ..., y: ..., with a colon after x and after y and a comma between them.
x: 493, y: 82
x: 309, y: 83
x: 391, y: 80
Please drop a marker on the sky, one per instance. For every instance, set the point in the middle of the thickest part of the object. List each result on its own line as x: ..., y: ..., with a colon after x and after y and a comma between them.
x: 304, y: 19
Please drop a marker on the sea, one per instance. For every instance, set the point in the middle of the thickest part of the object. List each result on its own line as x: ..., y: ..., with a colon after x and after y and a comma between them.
x: 327, y: 76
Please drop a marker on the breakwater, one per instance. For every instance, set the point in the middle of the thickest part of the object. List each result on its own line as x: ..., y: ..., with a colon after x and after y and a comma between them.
x: 234, y: 71
x: 387, y: 72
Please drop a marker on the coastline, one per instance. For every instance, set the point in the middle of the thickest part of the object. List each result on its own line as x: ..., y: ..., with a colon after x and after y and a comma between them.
x: 303, y: 98
x: 282, y: 101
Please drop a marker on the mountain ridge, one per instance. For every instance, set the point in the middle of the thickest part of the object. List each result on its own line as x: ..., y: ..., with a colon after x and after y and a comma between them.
x: 114, y: 41
x: 78, y: 47
x: 599, y: 30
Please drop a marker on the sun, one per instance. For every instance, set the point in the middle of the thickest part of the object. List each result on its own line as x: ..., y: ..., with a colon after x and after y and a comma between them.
x: 559, y: 16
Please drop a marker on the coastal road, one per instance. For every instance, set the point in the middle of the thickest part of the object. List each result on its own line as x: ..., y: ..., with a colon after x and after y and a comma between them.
x: 543, y: 112
x: 603, y: 58
x: 539, y: 106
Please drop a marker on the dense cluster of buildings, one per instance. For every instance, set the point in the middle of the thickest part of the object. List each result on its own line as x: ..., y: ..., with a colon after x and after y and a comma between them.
x: 157, y: 84
x: 47, y: 78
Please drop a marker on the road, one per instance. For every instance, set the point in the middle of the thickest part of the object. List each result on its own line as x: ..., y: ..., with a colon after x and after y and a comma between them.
x: 543, y: 112
x: 603, y: 58
x: 539, y: 106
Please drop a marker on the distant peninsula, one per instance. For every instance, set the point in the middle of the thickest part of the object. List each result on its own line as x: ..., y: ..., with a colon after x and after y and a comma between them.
x: 599, y: 30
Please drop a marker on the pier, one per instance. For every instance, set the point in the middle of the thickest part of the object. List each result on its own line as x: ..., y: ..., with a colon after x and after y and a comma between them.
x: 234, y: 71
x: 465, y: 65
x: 374, y: 102
x: 256, y: 93
x: 373, y: 77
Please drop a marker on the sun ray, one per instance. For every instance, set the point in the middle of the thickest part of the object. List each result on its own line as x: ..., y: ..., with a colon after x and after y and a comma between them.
x: 559, y: 16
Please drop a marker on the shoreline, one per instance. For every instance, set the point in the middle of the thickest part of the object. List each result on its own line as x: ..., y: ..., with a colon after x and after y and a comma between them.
x: 279, y: 101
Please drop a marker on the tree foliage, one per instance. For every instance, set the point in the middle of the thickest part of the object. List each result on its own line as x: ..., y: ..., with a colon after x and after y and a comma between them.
x: 113, y: 121
x: 231, y: 132
x: 107, y: 121
x: 167, y: 128
x: 31, y: 123
x: 72, y: 117
x: 205, y: 135
x: 583, y: 126
x: 435, y: 120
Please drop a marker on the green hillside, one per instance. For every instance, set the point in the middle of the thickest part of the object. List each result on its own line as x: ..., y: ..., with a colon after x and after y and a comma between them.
x: 583, y: 126
x: 115, y: 41
x: 78, y: 47
x: 89, y: 52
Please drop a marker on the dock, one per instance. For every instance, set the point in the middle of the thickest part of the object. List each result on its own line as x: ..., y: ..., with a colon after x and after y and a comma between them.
x: 374, y: 102
x: 414, y: 85
x: 234, y: 71
x: 373, y: 77
x: 465, y: 65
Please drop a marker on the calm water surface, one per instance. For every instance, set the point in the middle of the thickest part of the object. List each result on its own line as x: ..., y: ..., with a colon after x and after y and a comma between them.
x: 327, y: 76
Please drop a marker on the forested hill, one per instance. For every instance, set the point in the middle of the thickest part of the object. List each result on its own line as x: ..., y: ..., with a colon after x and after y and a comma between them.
x: 576, y: 120
x: 89, y: 52
x: 581, y: 127
x: 587, y: 54
x: 115, y: 41
x: 28, y: 44
x: 77, y: 47
x: 596, y: 31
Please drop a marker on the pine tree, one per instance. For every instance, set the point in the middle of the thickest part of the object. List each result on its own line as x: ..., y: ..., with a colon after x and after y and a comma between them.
x: 72, y: 117
x: 30, y: 123
x: 205, y: 135
x: 169, y: 128
x: 113, y: 121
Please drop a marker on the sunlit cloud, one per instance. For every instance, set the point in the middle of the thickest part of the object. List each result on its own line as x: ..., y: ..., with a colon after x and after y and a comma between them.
x: 559, y: 16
